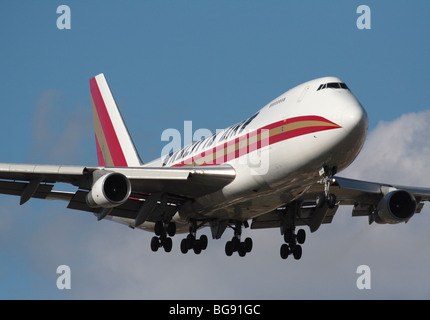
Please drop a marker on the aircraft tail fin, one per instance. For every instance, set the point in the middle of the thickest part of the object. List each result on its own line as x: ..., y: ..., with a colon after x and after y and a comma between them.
x: 115, y: 147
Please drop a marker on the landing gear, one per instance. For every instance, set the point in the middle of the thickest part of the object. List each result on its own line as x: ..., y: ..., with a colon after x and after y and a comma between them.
x: 322, y: 199
x: 293, y: 243
x: 191, y: 241
x: 328, y: 198
x: 163, y: 231
x: 235, y: 245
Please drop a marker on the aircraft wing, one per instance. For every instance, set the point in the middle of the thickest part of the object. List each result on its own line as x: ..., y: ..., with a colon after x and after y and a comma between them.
x: 167, y: 186
x: 366, y: 199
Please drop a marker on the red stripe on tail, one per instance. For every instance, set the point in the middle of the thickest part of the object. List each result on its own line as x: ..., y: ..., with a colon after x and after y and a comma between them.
x: 109, y: 133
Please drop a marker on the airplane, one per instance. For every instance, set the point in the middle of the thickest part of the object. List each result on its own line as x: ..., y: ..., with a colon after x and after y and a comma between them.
x: 276, y: 169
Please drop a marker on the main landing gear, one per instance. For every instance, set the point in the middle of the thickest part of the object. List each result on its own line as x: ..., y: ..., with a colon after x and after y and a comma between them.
x: 191, y: 241
x: 161, y: 239
x: 235, y: 245
x: 293, y: 243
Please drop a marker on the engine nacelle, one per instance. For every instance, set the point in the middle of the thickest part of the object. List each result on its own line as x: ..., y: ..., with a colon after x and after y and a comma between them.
x: 109, y: 190
x: 395, y: 207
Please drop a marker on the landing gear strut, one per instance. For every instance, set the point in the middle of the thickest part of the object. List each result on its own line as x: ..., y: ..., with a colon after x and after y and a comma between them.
x: 328, y: 198
x: 293, y: 243
x: 235, y: 245
x: 161, y: 239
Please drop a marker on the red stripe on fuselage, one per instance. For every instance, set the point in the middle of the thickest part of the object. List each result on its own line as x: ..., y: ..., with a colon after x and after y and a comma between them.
x: 253, y: 143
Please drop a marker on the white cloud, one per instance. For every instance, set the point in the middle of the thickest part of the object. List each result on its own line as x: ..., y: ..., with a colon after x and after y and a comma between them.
x: 397, y: 150
x: 57, y: 132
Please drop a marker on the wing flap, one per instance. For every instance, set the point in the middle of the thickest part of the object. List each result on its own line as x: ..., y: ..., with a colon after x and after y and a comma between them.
x: 17, y: 189
x: 309, y: 216
x: 127, y: 210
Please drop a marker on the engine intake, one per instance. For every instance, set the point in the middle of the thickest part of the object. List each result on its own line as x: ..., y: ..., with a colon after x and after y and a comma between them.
x: 395, y: 207
x: 109, y: 190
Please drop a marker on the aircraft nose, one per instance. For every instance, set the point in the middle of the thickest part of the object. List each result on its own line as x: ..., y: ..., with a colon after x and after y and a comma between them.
x: 355, y: 118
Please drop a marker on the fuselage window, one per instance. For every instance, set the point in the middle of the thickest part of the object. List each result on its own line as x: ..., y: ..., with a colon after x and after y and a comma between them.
x: 248, y: 121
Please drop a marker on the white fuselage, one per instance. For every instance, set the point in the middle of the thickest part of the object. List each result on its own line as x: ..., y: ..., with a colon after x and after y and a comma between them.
x: 277, y: 154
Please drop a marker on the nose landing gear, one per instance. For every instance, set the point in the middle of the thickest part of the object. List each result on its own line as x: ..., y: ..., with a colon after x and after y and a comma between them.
x: 326, y: 174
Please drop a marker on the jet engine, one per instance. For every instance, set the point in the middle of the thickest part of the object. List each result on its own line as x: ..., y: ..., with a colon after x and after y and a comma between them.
x: 109, y: 190
x: 395, y: 207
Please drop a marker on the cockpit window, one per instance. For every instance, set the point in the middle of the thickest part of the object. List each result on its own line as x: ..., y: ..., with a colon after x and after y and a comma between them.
x: 332, y: 85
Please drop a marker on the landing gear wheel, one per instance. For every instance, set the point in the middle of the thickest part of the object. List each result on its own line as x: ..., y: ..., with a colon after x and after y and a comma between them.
x: 331, y: 201
x: 203, y: 241
x: 197, y: 249
x: 228, y: 248
x: 297, y: 252
x: 190, y: 241
x: 184, y: 246
x: 235, y: 242
x: 159, y: 228
x: 155, y: 244
x: 171, y: 229
x: 242, y: 249
x: 320, y: 200
x: 301, y: 236
x: 285, y: 251
x: 167, y: 245
x: 248, y: 244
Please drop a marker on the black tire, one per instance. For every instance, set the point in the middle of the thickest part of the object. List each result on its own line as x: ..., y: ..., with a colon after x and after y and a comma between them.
x: 242, y: 249
x: 167, y: 245
x: 155, y: 244
x: 171, y: 229
x: 285, y: 251
x: 248, y: 244
x: 159, y: 228
x: 331, y: 201
x: 320, y: 200
x: 228, y: 248
x: 203, y: 241
x: 288, y: 237
x: 297, y: 252
x: 190, y: 241
x: 235, y: 244
x: 197, y: 247
x: 301, y: 236
x: 184, y: 246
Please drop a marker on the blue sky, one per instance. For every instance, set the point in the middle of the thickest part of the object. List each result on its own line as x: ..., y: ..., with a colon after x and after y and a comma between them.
x: 212, y: 62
